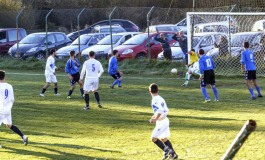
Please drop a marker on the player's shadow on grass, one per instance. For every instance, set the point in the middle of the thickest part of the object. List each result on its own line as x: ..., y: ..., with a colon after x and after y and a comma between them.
x: 56, y: 153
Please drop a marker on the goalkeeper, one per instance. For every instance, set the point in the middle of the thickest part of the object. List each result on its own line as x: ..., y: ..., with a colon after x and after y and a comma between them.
x: 193, y: 66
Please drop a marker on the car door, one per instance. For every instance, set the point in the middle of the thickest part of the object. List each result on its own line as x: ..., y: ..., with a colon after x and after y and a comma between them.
x: 156, y: 47
x: 206, y: 43
x: 3, y: 42
x: 60, y: 40
x: 51, y: 42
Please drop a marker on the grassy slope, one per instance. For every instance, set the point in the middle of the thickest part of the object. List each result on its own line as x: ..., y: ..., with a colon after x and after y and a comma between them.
x: 59, y: 128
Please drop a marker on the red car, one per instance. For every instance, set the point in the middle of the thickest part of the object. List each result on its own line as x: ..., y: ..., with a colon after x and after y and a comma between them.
x: 8, y: 37
x: 137, y: 46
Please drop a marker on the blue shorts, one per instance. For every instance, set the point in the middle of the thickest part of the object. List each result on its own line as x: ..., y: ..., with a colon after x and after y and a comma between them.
x: 75, y: 79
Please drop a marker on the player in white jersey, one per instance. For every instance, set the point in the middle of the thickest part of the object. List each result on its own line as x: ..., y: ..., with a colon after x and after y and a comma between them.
x: 50, y: 74
x: 6, y: 103
x: 161, y: 130
x: 93, y: 69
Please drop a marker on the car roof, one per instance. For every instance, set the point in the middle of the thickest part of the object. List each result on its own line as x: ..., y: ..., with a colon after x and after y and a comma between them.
x: 249, y: 33
x: 124, y: 33
x: 208, y: 33
x: 213, y: 23
x: 94, y: 34
x: 158, y: 25
x: 47, y: 33
x: 4, y: 29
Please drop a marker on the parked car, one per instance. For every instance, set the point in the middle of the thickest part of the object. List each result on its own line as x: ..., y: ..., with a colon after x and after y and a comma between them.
x: 126, y: 24
x: 203, y: 41
x: 222, y: 26
x: 34, y: 45
x: 259, y: 25
x: 163, y: 28
x: 182, y: 25
x: 237, y: 40
x: 86, y: 40
x: 103, y: 46
x: 137, y: 46
x: 106, y: 29
x: 8, y: 37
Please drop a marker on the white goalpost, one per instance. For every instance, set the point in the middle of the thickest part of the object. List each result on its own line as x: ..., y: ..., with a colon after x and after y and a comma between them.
x: 205, y: 29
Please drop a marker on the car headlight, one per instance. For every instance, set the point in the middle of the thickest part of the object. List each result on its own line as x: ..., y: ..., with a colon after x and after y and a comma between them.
x: 127, y: 51
x: 32, y: 49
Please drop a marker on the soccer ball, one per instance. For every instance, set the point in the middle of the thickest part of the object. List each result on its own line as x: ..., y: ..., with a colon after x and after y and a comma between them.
x: 174, y: 71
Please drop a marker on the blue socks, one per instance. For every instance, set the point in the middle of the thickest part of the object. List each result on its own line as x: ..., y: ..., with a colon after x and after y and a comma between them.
x: 251, y: 91
x: 258, y: 90
x: 119, y: 83
x: 215, y: 93
x: 203, y: 89
x: 115, y: 82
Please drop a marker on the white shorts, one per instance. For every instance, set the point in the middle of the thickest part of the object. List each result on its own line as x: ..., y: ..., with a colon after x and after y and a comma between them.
x: 162, y: 129
x: 91, y: 84
x: 51, y: 78
x: 194, y: 68
x: 6, y: 119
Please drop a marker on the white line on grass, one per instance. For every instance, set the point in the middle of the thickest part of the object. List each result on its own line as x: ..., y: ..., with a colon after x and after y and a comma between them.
x: 59, y: 75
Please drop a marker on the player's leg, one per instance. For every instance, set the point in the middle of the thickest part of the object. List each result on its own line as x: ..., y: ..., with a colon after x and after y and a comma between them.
x: 8, y: 122
x: 256, y: 84
x: 87, y: 87
x: 81, y: 88
x: 187, y: 77
x: 212, y: 83
x: 168, y: 143
x: 94, y: 89
x: 54, y: 80
x: 248, y: 79
x: 115, y: 76
x: 48, y: 82
x: 204, y: 82
x: 71, y: 90
x: 120, y: 80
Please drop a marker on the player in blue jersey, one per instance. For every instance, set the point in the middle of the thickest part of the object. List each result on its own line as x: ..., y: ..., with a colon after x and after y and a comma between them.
x: 248, y: 67
x: 207, y: 75
x: 114, y: 71
x: 161, y: 130
x: 6, y: 103
x: 72, y: 69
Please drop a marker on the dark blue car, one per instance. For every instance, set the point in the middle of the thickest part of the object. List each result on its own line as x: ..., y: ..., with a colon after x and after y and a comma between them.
x: 34, y: 45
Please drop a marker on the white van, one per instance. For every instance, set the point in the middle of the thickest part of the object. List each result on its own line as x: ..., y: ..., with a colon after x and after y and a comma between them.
x: 259, y: 25
x: 222, y: 26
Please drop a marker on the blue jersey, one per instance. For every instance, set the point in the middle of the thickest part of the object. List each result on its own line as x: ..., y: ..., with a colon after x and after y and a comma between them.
x: 113, y: 66
x: 206, y: 63
x: 247, y: 58
x: 72, y: 66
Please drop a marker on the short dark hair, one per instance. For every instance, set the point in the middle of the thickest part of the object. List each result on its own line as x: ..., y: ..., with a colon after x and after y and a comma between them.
x: 2, y: 75
x: 91, y: 53
x: 201, y: 52
x: 52, y: 51
x: 153, y: 88
x: 193, y: 50
x: 246, y: 45
x: 114, y: 52
x: 72, y: 53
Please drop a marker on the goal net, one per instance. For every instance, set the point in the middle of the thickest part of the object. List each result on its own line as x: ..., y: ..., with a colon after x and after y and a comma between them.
x: 222, y: 34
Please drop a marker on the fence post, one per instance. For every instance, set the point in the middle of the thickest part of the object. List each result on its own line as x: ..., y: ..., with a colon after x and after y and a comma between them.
x: 241, y: 137
x: 17, y: 27
x: 229, y: 28
x: 78, y: 28
x: 148, y: 32
x: 46, y: 28
x: 110, y: 15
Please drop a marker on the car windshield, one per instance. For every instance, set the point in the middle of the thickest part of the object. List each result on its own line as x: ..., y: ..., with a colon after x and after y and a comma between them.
x: 238, y: 40
x: 167, y: 28
x: 33, y: 39
x: 107, y: 40
x: 136, y: 40
x: 83, y: 40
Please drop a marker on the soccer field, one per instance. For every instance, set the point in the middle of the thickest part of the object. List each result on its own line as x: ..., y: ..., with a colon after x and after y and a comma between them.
x: 59, y: 128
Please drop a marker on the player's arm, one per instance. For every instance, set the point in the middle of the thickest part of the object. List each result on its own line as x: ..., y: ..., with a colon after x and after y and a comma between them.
x: 101, y: 70
x: 201, y: 67
x: 83, y: 71
x: 243, y: 62
x: 155, y: 118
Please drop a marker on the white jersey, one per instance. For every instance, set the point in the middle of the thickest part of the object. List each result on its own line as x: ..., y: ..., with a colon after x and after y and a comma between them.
x: 159, y: 106
x: 92, y: 68
x: 50, y: 66
x: 6, y: 98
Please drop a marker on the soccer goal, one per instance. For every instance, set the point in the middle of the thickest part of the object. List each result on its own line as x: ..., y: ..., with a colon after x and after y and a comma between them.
x: 222, y: 34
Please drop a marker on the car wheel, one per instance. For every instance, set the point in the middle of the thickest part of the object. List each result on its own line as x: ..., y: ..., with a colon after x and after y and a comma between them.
x: 40, y: 56
x: 140, y: 56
